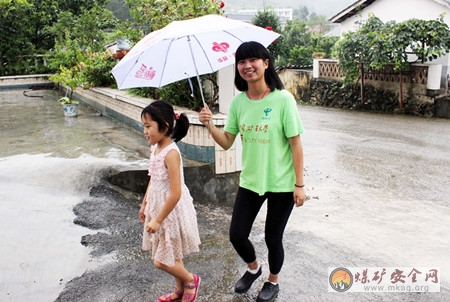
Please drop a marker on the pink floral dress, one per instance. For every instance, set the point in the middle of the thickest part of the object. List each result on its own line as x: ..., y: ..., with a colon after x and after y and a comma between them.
x: 178, y: 235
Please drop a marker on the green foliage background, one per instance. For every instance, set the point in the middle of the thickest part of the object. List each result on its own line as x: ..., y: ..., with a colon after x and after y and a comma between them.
x: 73, y: 35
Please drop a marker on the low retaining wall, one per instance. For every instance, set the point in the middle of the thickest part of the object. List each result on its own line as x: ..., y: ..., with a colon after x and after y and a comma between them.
x: 25, y: 82
x: 202, y: 156
x: 378, y: 96
x: 198, y: 144
x: 328, y: 93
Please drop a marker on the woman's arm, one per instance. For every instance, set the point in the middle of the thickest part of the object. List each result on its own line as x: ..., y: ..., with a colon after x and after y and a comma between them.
x: 223, y: 139
x: 297, y: 157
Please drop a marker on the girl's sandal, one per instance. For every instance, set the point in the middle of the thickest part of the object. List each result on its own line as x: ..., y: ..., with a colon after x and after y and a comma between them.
x: 170, y: 297
x: 190, y: 297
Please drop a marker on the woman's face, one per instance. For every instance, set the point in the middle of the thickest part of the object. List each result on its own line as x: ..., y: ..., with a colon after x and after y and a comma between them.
x: 252, y: 69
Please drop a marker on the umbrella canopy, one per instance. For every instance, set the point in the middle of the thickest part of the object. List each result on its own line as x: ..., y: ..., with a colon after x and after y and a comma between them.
x: 184, y: 49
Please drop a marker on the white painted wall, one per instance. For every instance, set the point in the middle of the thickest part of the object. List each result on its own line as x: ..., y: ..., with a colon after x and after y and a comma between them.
x: 227, y: 91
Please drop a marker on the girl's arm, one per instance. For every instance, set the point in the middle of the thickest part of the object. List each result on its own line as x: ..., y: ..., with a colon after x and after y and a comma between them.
x: 172, y: 162
x: 224, y: 139
x: 144, y: 203
x: 297, y: 156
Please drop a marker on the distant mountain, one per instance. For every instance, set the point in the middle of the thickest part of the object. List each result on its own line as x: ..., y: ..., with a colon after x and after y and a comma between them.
x: 328, y: 8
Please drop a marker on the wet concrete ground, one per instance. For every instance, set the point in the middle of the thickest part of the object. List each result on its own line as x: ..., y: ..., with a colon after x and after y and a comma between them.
x: 378, y: 187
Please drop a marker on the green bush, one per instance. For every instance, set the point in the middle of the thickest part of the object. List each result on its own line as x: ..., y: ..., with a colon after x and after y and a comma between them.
x: 178, y: 93
x: 97, y: 70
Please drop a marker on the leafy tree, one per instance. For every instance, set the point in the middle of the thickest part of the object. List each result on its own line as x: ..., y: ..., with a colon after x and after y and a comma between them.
x: 24, y: 28
x: 323, y: 44
x: 151, y: 15
x: 427, y: 39
x: 376, y: 44
x: 300, y: 43
x: 120, y: 10
x: 296, y: 49
x: 318, y: 24
x: 80, y: 34
x: 79, y: 54
x: 269, y: 19
x: 30, y: 19
x: 91, y: 26
x: 300, y: 13
x: 76, y: 7
x: 14, y: 37
x: 367, y: 46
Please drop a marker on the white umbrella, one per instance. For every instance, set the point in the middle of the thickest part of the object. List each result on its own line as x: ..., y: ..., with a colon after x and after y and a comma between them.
x: 185, y: 49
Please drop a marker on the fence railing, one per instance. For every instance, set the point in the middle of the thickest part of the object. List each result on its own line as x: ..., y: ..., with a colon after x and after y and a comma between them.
x: 23, y: 65
x: 329, y: 69
x: 418, y: 74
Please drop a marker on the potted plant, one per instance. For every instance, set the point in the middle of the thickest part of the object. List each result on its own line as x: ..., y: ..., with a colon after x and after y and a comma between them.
x: 318, y: 55
x: 71, y: 78
x: 70, y: 106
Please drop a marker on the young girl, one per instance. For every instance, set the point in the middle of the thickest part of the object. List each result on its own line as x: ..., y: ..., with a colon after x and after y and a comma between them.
x: 170, y: 222
x: 265, y: 116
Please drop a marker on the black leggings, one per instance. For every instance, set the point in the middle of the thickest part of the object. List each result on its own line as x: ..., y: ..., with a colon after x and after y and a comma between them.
x: 246, y: 208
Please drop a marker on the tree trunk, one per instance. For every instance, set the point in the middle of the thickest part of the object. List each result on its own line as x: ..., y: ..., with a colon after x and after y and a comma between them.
x: 362, y: 84
x: 400, y: 95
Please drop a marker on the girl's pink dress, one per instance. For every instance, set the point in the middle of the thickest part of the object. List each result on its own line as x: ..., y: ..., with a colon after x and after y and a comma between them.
x: 178, y: 235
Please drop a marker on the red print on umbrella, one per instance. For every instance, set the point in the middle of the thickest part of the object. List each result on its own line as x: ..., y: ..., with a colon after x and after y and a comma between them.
x: 145, y: 73
x: 223, y: 47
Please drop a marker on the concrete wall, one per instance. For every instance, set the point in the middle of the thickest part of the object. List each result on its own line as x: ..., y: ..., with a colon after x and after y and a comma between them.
x: 379, y: 96
x: 297, y: 82
x: 201, y: 158
x: 25, y: 82
x: 197, y: 145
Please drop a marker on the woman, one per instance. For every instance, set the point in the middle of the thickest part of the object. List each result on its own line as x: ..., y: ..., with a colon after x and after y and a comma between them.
x: 266, y: 118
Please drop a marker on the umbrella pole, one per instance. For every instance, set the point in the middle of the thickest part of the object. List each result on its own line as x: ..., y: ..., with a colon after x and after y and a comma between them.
x: 201, y: 90
x: 196, y: 71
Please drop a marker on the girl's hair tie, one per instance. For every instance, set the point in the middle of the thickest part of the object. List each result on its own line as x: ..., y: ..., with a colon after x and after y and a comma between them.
x: 177, y: 116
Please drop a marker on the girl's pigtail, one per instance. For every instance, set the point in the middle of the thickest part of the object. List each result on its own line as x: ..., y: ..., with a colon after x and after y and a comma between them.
x: 181, y: 127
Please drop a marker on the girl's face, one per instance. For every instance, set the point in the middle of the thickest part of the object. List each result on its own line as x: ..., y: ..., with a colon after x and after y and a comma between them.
x: 151, y: 130
x: 252, y: 69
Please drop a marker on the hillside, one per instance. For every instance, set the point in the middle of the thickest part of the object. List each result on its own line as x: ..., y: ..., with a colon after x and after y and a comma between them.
x: 321, y: 7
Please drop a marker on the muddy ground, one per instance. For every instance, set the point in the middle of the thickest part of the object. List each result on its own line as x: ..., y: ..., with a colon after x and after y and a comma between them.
x: 378, y: 187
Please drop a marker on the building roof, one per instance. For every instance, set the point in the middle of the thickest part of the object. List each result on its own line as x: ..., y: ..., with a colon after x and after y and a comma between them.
x: 359, y: 5
x: 350, y: 11
x: 284, y: 14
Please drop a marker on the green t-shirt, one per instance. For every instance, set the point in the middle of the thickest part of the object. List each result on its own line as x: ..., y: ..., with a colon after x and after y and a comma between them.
x: 265, y: 127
